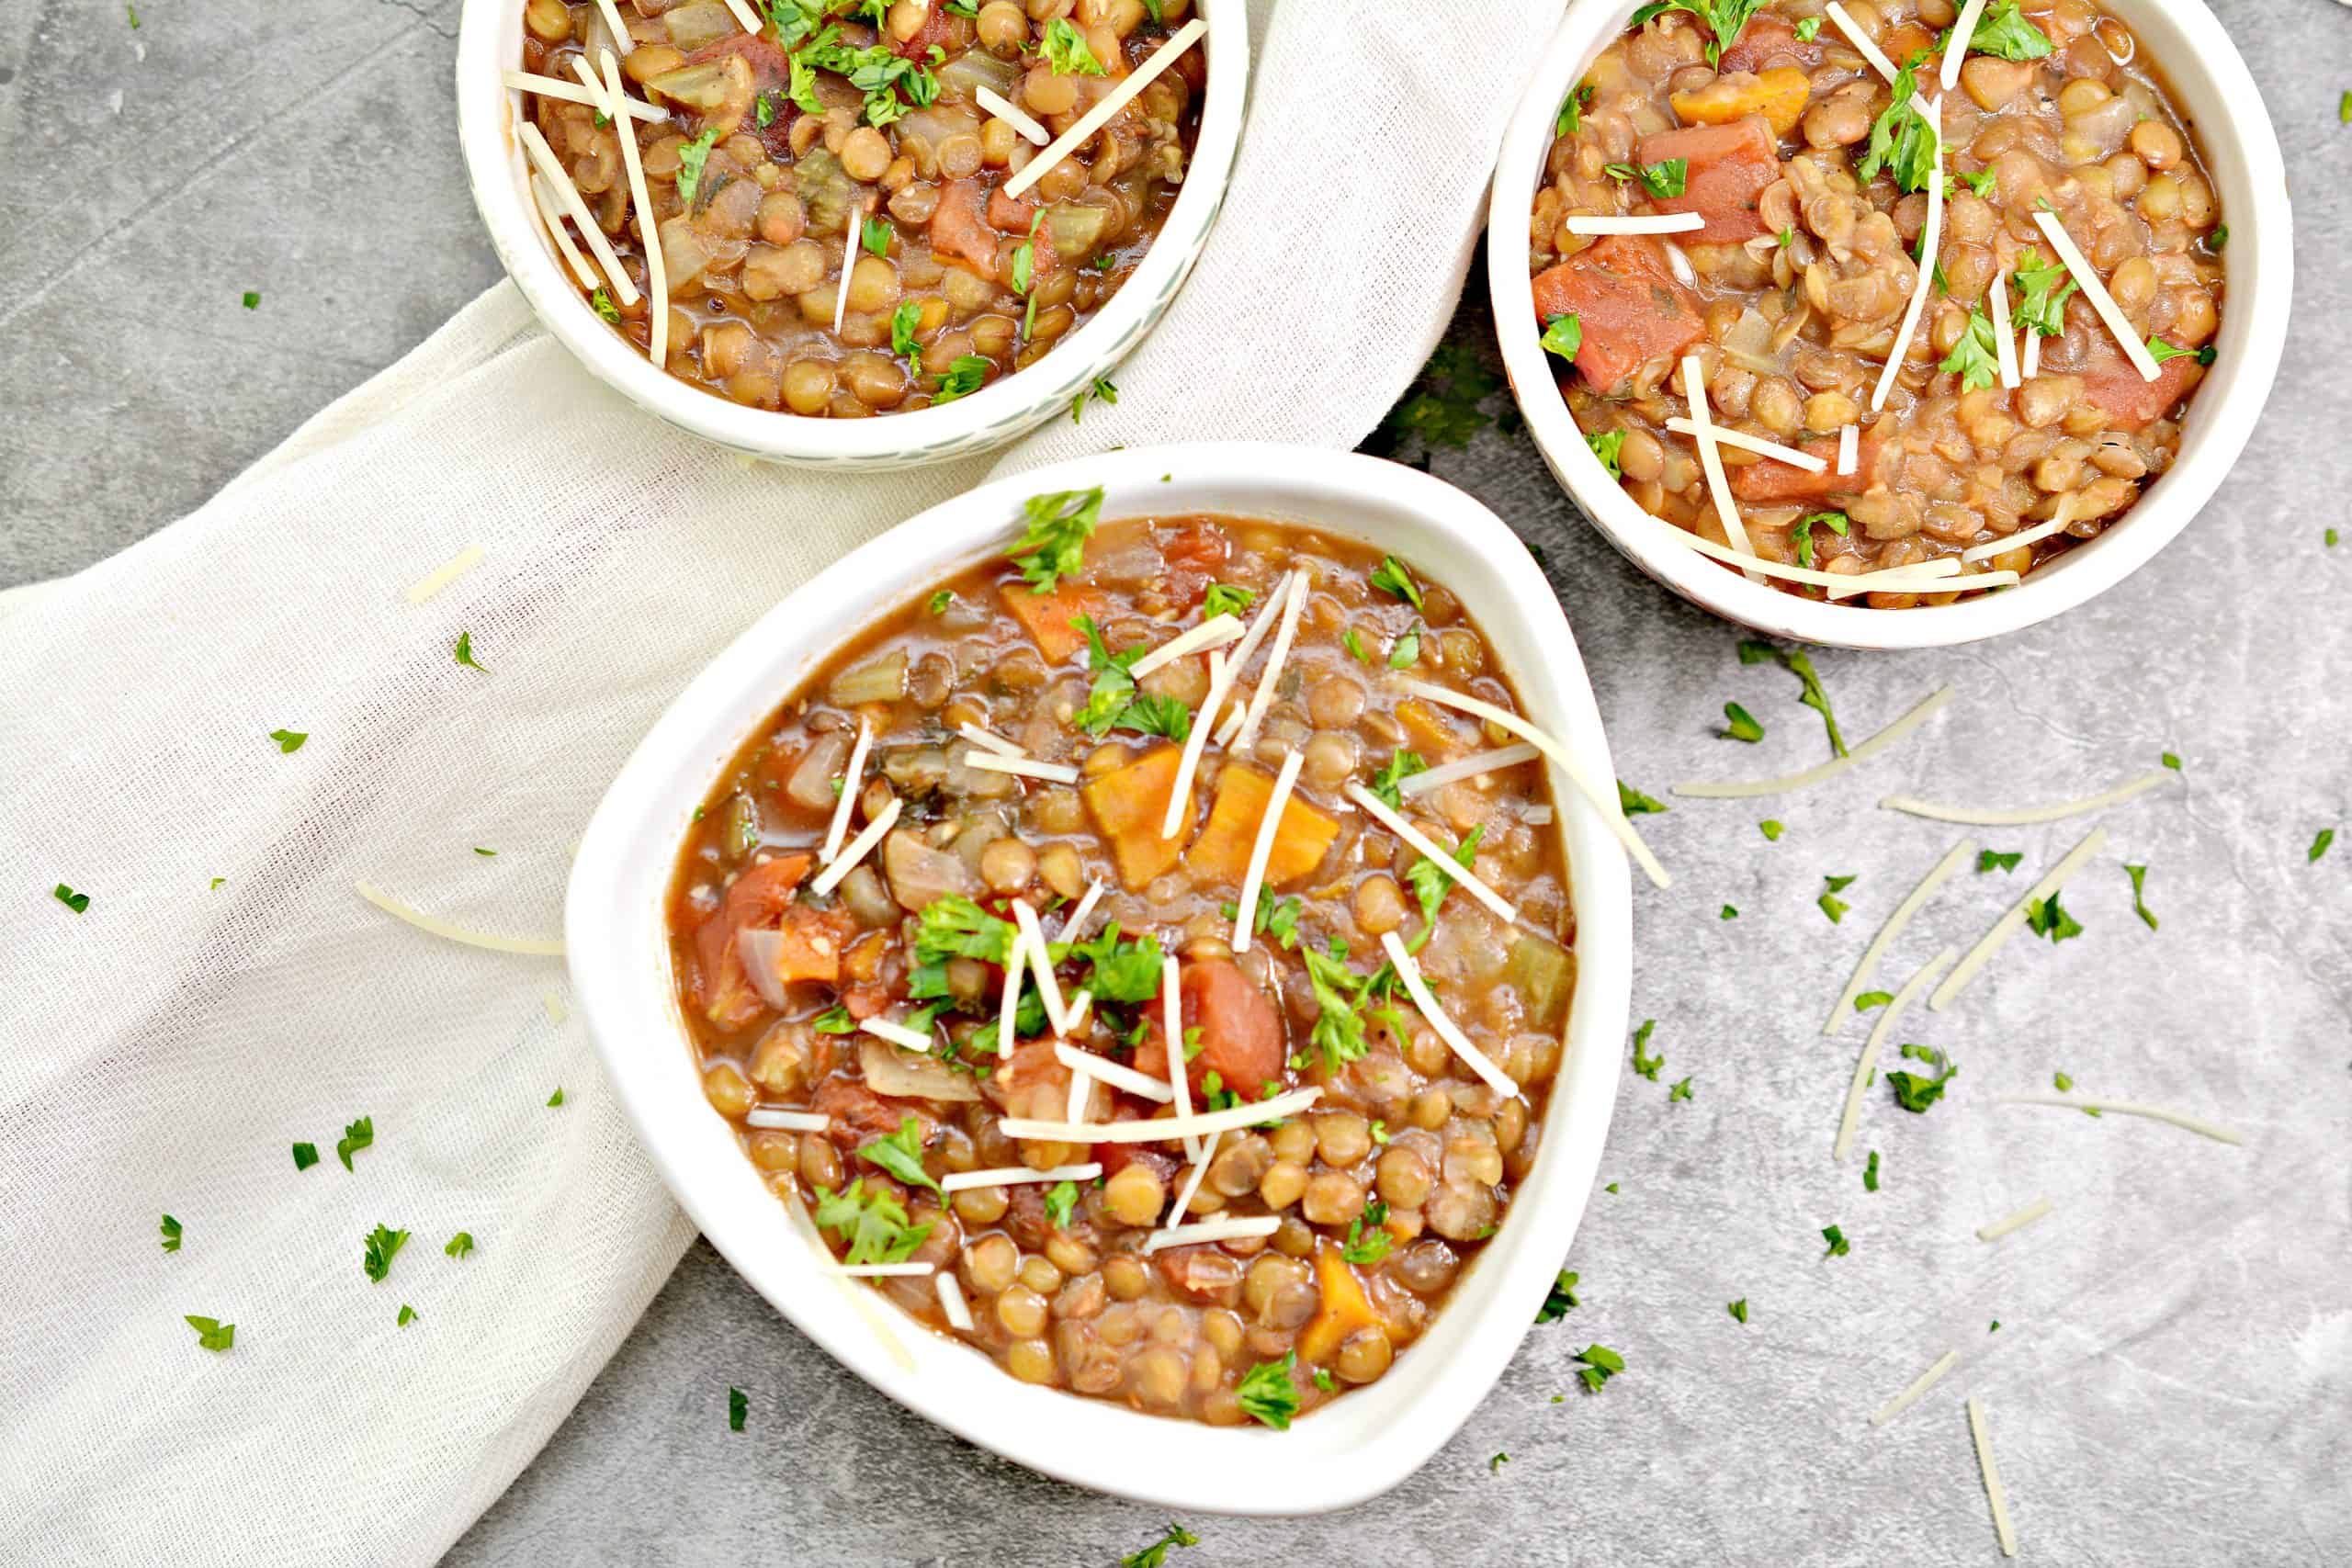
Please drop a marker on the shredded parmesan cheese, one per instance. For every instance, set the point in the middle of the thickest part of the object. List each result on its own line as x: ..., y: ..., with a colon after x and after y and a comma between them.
x: 1263, y: 696
x: 2096, y: 292
x: 1695, y: 392
x: 433, y: 925
x: 1095, y: 118
x: 1260, y: 625
x: 1982, y: 1437
x: 787, y: 1121
x: 853, y: 779
x: 1410, y: 972
x: 448, y: 572
x: 1638, y: 224
x: 1222, y: 676
x: 2009, y: 924
x: 613, y: 25
x: 1215, y: 632
x: 544, y: 199
x: 1930, y: 238
x: 1868, y: 1063
x: 1471, y: 881
x: 1742, y: 790
x: 1604, y: 802
x: 556, y: 88
x: 988, y: 739
x: 1014, y: 1175
x: 859, y: 848
x: 2005, y: 340
x: 877, y: 1271
x: 552, y: 1005
x: 1910, y: 1396
x: 1213, y: 1230
x: 560, y: 180
x: 1081, y: 1100
x: 897, y: 1035
x: 649, y: 235
x: 952, y: 1302
x: 2016, y: 1222
x: 1675, y: 258
x: 1041, y: 960
x: 1888, y: 580
x: 1468, y: 767
x: 2023, y: 815
x: 750, y: 18
x: 2032, y: 356
x: 1163, y: 1129
x: 2155, y: 1113
x: 1849, y: 449
x: 1140, y: 1084
x: 2058, y: 523
x: 1747, y: 442
x: 1186, y: 1193
x: 852, y: 226
x: 1025, y: 767
x: 1009, y: 1006
x: 1012, y: 115
x: 1074, y: 927
x: 1963, y: 32
x: 1245, y: 917
x: 1953, y: 860
x: 1180, y: 1082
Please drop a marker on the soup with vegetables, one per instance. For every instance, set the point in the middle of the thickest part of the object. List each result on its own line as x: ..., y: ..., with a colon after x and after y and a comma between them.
x: 1136, y: 964
x: 1727, y: 266
x: 848, y: 218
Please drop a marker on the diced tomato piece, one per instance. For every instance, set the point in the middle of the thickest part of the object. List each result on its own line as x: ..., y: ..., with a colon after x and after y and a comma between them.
x: 937, y: 26
x: 1241, y: 1030
x: 2129, y: 402
x: 1768, y: 479
x: 759, y: 900
x: 1729, y: 168
x: 1010, y: 216
x: 771, y: 67
x: 860, y: 1115
x: 1047, y: 618
x: 1768, y: 39
x: 1628, y: 302
x: 1193, y: 555
x: 959, y: 226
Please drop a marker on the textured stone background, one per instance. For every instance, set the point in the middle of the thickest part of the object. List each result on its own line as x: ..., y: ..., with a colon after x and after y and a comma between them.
x: 2173, y: 1375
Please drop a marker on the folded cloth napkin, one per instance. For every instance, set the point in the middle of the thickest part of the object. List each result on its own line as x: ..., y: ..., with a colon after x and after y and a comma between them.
x: 216, y: 735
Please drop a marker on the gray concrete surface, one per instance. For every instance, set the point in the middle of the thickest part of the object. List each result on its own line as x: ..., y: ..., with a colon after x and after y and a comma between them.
x: 2173, y: 1372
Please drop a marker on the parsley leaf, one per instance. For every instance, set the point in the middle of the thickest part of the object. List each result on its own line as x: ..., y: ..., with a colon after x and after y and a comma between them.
x: 1808, y: 28
x: 2139, y: 876
x: 875, y: 235
x: 955, y: 926
x: 900, y: 1154
x: 1059, y: 1202
x: 1916, y: 1091
x: 966, y: 373
x: 1743, y: 724
x: 1606, y: 445
x: 1646, y: 1066
x: 1268, y: 1394
x: 459, y: 1245
x: 1156, y: 1554
x: 1560, y: 1299
x: 1563, y: 335
x: 1870, y: 999
x: 1601, y: 1364
x: 382, y: 1246
x: 1661, y: 180
x: 289, y: 741
x: 903, y: 322
x: 1275, y: 918
x: 1634, y: 803
x: 2046, y: 917
x: 1053, y: 545
x: 1225, y: 599
x: 1726, y: 18
x: 1572, y: 110
x: 1755, y: 652
x: 1405, y: 651
x: 77, y: 902
x: 1728, y: 913
x: 1973, y: 355
x: 1102, y: 391
x: 305, y: 1155
x: 874, y: 1223
x: 1116, y: 703
x: 407, y: 1315
x: 356, y: 1136
x: 211, y: 1333
x: 1839, y: 1246
x: 1738, y: 1310
x: 2319, y: 847
x: 1981, y: 184
x: 1402, y: 765
x: 1680, y: 1091
x: 2043, y: 302
x: 1368, y: 1236
x: 1338, y: 1026
x: 1988, y: 859
x: 1354, y: 645
x: 1430, y: 880
x: 1121, y: 970
x: 739, y: 1405
x: 1772, y: 829
x: 835, y: 1019
x: 601, y: 303
x: 1066, y: 51
x: 171, y: 1229
x: 691, y: 159
x: 1391, y: 576
x: 466, y: 652
x: 2002, y: 30
x: 556, y: 1098
x: 1901, y: 142
x: 1869, y: 1173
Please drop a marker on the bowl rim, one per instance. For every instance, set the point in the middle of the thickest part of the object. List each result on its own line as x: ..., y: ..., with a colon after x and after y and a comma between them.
x: 621, y: 974
x: 489, y: 40
x: 2209, y: 79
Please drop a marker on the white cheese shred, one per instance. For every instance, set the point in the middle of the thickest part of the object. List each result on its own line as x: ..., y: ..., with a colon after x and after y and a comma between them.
x: 1215, y: 632
x: 2005, y: 339
x: 1081, y: 1100
x: 1448, y: 1031
x: 1163, y: 1129
x: 649, y: 233
x: 1855, y: 756
x: 1180, y: 1079
x: 1074, y: 926
x: 852, y: 780
x: 952, y: 1304
x: 1141, y: 1084
x: 1849, y: 449
x: 560, y: 179
x: 1263, y: 696
x: 1020, y: 767
x: 2016, y: 1222
x: 1986, y: 817
x: 2212, y: 1130
x: 1930, y: 238
x: 448, y: 572
x: 1963, y: 32
x: 854, y: 227
x: 859, y: 848
x: 2009, y: 924
x: 1041, y: 960
x: 1890, y: 579
x: 620, y: 29
x: 879, y: 1270
x: 433, y: 925
x: 1601, y: 800
x: 2096, y: 292
x: 2031, y: 365
x: 1014, y: 1175
x: 1213, y: 1230
x: 1867, y: 1064
x: 1954, y: 858
x: 556, y: 88
x: 1245, y: 917
x: 1013, y: 115
x: 1009, y: 1006
x: 1469, y: 767
x: 1695, y: 392
x: 897, y: 1035
x: 1993, y: 1492
x: 552, y: 1005
x: 1095, y: 118
x: 1747, y: 442
x: 1222, y: 677
x: 1191, y: 1190
x: 1910, y: 1396
x: 1377, y: 808
x: 751, y: 23
x: 2058, y: 523
x: 988, y: 739
x: 787, y: 1120
x: 1238, y: 660
x: 1637, y: 223
x: 550, y: 214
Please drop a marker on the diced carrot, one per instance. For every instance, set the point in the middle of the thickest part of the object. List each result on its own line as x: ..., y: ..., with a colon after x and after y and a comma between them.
x: 1128, y: 806
x: 1630, y: 307
x: 1222, y: 853
x: 1766, y: 39
x: 1047, y: 618
x: 1729, y: 166
x: 1427, y: 734
x: 1768, y: 479
x: 1345, y: 1306
x: 1778, y: 95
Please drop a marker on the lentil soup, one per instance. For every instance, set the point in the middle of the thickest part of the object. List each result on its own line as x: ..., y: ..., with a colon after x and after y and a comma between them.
x: 1765, y: 195
x: 993, y: 765
x: 837, y: 237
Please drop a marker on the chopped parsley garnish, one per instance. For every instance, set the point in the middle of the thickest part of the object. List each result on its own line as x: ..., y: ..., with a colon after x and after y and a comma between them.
x: 466, y: 652
x: 2139, y: 876
x: 1917, y: 1092
x: 407, y: 1315
x: 1738, y: 1310
x: 2043, y: 305
x: 835, y: 1019
x: 954, y: 927
x: 1971, y: 357
x: 875, y: 235
x: 764, y: 109
x: 1831, y: 905
x: 1405, y: 651
x: 2171, y: 760
x: 1391, y: 576
x: 966, y: 373
x: 903, y: 322
x: 556, y: 1098
x: 1808, y: 28
x: 2002, y: 30
x: 1982, y: 183
x: 171, y: 1229
x: 1497, y: 1464
x: 383, y: 1245
x: 1339, y: 1025
x: 1661, y: 180
x: 1839, y: 1246
x: 305, y: 1155
x: 1634, y: 803
x: 2047, y: 917
x: 1772, y: 830
x: 1601, y: 1364
x: 1059, y: 1202
x: 1646, y: 1066
x: 1368, y: 1237
x: 1801, y: 532
x: 1607, y: 446
x: 937, y: 604
x: 1987, y: 860
x: 1354, y: 645
x: 211, y: 1333
x: 1679, y: 1091
x: 1275, y: 918
x: 2219, y: 240
x: 1799, y: 665
x: 487, y: 854
x: 691, y: 158
x: 1572, y: 110
x: 1995, y: 1329
x: 601, y: 303
x: 1120, y: 970
x: 289, y: 741
x: 252, y: 299
x: 737, y: 1406
x: 1053, y: 545
x: 1115, y: 702
x: 1869, y: 1173
x: 1225, y: 599
x: 459, y: 1245
x: 1870, y: 999
x: 356, y: 1136
x: 1727, y: 18
x: 1743, y: 724
x: 1401, y: 766
x: 1268, y: 1394
x: 2062, y: 1083
x: 1024, y: 257
x: 1156, y: 1554
x: 2160, y: 351
x: 1561, y: 1298
x: 874, y: 1223
x: 900, y: 1154
x: 77, y: 902
x: 2318, y: 847
x: 1563, y: 335
x: 1102, y: 391
x: 1901, y: 140
x: 1066, y: 51
x: 1729, y: 913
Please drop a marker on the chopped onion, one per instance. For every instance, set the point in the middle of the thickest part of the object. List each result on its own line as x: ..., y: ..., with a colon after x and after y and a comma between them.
x: 905, y: 1076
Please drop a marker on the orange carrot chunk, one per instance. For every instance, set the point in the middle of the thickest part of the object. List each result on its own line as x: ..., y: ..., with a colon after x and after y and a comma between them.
x: 1128, y: 806
x: 1222, y: 855
x: 1047, y: 618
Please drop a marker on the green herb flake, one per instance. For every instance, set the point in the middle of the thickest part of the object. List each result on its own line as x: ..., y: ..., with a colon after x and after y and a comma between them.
x: 1990, y: 860
x: 1572, y: 107
x: 1981, y: 184
x: 1646, y: 1066
x: 407, y: 1315
x: 1156, y: 1554
x: 1563, y: 335
x: 1663, y: 181
x: 2171, y: 760
x: 873, y: 1224
x: 875, y: 234
x: 691, y: 158
x: 289, y: 741
x: 1494, y: 1464
x: 737, y: 1406
x: 1607, y: 446
x: 1738, y: 1310
x: 900, y: 1154
x: 2042, y: 287
x: 1059, y: 1202
x: 1634, y: 803
x: 305, y: 1155
x: 171, y: 1230
x: 2160, y: 351
x: 601, y: 301
x: 1405, y: 651
x: 1742, y: 724
x: 1869, y: 1173
x: 252, y: 299
x: 1056, y: 528
x: 2046, y: 917
x: 1679, y: 1091
x: 556, y: 1098
x: 1601, y: 1364
x: 459, y: 1245
x: 2002, y: 30
x: 2139, y: 876
x: 1726, y: 18
x: 382, y: 1245
x: 1225, y: 599
x: 1995, y: 1329
x: 211, y: 1333
x: 1729, y: 913
x: 1808, y: 28
x: 1065, y: 50
x: 132, y: 12
x: 2319, y: 845
x: 938, y: 603
x: 77, y: 902
x: 966, y: 374
x: 1391, y: 576
x: 356, y: 1136
x: 1561, y: 1298
x: 1753, y: 651
x: 1772, y: 830
x: 1354, y: 645
x: 2344, y: 108
x: 1839, y: 1246
x: 1368, y: 1236
x: 1267, y: 1394
x: 1973, y: 357
x: 1102, y: 391
x: 1902, y: 142
x: 1917, y: 1092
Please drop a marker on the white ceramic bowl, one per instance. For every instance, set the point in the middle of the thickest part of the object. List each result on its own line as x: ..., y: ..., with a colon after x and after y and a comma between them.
x: 489, y: 40
x: 2208, y: 81
x: 1353, y: 1449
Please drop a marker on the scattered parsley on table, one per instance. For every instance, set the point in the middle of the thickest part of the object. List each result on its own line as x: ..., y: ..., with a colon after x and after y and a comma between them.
x: 211, y: 1333
x: 383, y: 1243
x: 289, y: 741
x: 77, y: 902
x: 459, y: 1243
x: 356, y: 1136
x: 1839, y: 1246
x: 737, y: 1406
x: 305, y: 1155
x: 171, y: 1228
x: 1156, y: 1554
x: 1738, y: 1309
x: 466, y: 652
